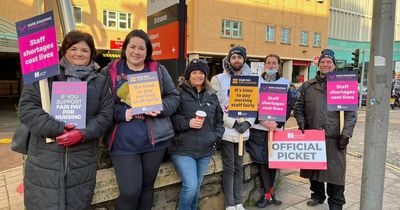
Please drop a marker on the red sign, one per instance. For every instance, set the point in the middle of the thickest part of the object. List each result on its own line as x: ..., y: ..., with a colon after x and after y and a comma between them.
x: 301, y: 63
x: 116, y: 44
x: 295, y: 150
x: 165, y: 41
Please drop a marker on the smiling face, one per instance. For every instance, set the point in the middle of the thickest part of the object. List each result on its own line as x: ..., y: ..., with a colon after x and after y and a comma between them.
x: 326, y: 65
x: 196, y: 79
x: 136, y: 53
x: 78, y: 54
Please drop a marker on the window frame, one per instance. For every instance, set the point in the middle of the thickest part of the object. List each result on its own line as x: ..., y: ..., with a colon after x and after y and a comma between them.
x: 228, y: 26
x: 319, y: 40
x: 284, y: 35
x: 117, y: 19
x: 81, y: 14
x: 268, y: 34
x: 304, y: 38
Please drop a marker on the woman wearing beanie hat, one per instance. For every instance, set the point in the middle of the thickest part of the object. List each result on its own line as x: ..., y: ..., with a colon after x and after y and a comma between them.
x: 198, y: 126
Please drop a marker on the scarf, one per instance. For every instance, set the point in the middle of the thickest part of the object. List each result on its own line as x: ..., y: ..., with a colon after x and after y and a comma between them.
x: 77, y: 73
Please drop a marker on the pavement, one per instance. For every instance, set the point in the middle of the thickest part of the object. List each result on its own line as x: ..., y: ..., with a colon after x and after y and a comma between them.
x: 292, y: 190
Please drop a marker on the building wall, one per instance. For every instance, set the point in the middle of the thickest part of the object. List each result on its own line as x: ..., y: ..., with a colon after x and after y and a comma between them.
x: 358, y: 18
x: 299, y: 15
x: 16, y: 10
x: 92, y: 18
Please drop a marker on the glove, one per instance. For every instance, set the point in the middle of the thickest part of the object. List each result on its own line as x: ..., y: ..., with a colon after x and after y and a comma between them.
x: 343, y: 141
x: 70, y: 138
x: 301, y: 127
x: 241, y: 127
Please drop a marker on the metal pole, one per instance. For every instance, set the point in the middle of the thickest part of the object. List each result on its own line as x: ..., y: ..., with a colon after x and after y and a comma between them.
x: 377, y: 117
x: 66, y: 16
x: 362, y: 79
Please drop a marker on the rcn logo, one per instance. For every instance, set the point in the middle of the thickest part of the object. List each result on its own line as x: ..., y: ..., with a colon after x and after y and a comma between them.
x: 290, y: 135
x: 37, y: 74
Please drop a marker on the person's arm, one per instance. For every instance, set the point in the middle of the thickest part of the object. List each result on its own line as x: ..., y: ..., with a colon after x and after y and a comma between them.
x: 170, y: 96
x: 34, y: 117
x: 99, y: 125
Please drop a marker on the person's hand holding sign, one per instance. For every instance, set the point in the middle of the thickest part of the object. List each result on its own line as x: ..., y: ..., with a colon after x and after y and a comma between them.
x: 270, y: 125
x: 153, y: 114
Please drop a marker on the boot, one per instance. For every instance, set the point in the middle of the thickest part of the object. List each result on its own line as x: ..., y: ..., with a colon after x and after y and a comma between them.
x: 274, y: 199
x: 264, y: 201
x: 314, y: 202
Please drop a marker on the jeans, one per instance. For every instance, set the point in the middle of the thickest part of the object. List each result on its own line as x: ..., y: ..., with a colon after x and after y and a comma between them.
x: 191, y: 171
x: 335, y: 192
x: 233, y: 173
x: 136, y: 175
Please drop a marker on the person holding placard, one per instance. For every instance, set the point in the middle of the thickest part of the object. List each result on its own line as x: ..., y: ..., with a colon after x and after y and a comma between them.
x: 62, y: 175
x: 257, y: 145
x: 199, y: 126
x: 311, y: 112
x: 233, y: 64
x: 139, y: 141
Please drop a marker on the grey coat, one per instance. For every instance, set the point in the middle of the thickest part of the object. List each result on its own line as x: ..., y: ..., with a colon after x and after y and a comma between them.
x: 57, y: 177
x: 311, y: 109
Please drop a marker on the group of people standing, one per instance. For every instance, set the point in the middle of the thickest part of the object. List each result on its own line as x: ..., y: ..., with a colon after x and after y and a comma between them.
x: 62, y: 175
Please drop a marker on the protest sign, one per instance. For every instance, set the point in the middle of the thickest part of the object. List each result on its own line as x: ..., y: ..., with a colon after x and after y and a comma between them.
x: 342, y: 91
x: 68, y: 102
x: 273, y: 101
x: 292, y: 149
x: 37, y: 43
x: 243, y: 96
x: 144, y: 92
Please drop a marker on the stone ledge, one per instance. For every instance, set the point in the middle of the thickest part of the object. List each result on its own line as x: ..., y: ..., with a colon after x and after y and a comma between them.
x: 107, y: 188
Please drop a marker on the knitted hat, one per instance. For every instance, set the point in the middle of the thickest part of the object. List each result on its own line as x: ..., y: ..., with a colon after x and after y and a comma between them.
x: 196, y: 64
x: 237, y: 50
x: 327, y: 53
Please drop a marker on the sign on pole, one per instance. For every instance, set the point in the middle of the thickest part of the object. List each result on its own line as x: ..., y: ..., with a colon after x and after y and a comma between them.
x: 144, y: 92
x: 68, y: 102
x: 273, y: 101
x: 37, y: 43
x: 292, y: 149
x: 342, y: 91
x: 243, y: 96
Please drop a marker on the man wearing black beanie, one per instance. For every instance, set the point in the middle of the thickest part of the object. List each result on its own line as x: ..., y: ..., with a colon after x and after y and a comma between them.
x: 311, y: 112
x: 233, y: 64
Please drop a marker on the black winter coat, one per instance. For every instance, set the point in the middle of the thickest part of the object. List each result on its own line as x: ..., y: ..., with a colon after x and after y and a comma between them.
x: 58, y: 177
x: 311, y: 110
x: 201, y: 142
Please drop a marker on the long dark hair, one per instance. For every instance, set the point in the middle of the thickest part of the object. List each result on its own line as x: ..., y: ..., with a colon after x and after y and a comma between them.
x: 74, y: 37
x: 143, y: 35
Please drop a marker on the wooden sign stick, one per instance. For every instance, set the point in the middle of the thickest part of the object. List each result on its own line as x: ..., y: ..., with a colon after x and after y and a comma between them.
x: 45, y: 98
x: 240, y: 149
x: 270, y: 141
x: 341, y: 121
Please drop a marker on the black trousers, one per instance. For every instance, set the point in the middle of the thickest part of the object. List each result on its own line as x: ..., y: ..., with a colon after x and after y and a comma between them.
x: 267, y: 176
x: 136, y: 175
x: 335, y: 192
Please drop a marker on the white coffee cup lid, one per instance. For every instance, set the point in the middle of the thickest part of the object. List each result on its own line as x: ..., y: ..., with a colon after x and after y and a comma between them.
x: 201, y: 113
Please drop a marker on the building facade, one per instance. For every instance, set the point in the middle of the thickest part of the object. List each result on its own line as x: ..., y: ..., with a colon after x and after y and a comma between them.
x: 296, y: 30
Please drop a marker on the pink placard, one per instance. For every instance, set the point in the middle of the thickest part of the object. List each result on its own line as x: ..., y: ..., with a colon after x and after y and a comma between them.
x: 295, y: 150
x: 38, y: 50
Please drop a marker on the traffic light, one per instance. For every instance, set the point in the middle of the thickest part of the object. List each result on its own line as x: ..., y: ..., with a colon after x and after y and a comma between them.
x: 356, y: 58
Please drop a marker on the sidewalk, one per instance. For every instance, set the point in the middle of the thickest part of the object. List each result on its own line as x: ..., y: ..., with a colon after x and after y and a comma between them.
x: 293, y: 190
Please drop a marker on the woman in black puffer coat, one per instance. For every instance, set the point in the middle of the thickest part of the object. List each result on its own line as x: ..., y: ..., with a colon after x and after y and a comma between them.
x: 62, y: 175
x: 196, y: 138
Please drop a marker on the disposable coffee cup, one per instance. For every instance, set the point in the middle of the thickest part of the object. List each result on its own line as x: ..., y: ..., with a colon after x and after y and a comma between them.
x: 200, y: 115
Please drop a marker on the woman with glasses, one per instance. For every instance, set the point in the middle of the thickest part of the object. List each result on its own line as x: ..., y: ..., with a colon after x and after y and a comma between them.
x: 257, y: 145
x: 199, y: 126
